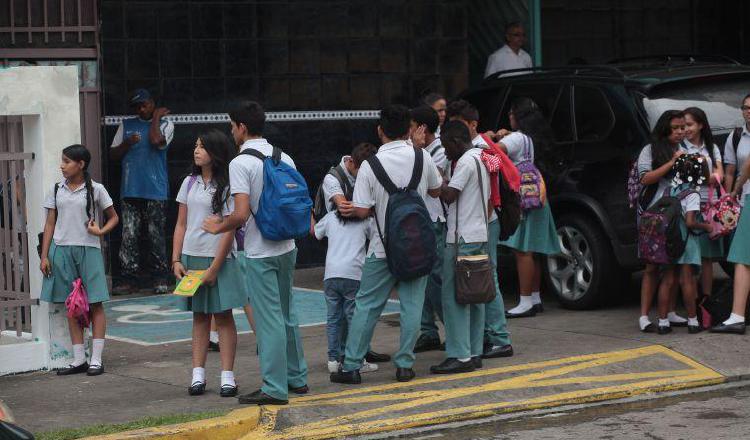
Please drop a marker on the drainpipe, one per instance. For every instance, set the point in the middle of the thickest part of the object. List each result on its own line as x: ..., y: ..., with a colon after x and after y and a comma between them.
x: 535, y: 13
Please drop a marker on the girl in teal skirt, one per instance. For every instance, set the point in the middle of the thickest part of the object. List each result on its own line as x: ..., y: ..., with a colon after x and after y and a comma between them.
x: 536, y: 234
x: 71, y: 250
x: 205, y: 193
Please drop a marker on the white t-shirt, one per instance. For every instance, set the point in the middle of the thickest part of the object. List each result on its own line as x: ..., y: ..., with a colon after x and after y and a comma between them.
x: 332, y: 186
x: 397, y: 158
x: 71, y: 226
x: 198, y: 242
x: 739, y: 159
x: 691, y: 202
x: 434, y: 206
x: 713, y: 157
x: 505, y: 59
x: 246, y: 177
x: 472, y: 220
x: 519, y: 146
x: 346, y: 245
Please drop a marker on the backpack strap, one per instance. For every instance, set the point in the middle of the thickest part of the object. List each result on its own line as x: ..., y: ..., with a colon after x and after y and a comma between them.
x: 339, y: 173
x: 191, y: 182
x: 255, y: 153
x: 416, y: 174
x: 57, y: 187
x: 381, y: 175
x: 736, y: 137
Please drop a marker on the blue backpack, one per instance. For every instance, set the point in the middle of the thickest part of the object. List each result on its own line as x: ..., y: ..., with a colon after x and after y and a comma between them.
x: 409, y: 239
x: 285, y: 206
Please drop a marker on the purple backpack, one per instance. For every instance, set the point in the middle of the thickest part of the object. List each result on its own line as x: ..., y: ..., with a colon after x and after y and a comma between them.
x: 239, y: 234
x: 660, y: 235
x: 532, y: 185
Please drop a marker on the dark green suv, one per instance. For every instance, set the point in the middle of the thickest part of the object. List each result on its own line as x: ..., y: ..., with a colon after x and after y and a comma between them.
x: 602, y: 116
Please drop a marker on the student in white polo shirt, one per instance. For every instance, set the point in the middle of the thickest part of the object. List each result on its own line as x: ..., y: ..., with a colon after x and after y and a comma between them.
x: 398, y: 159
x: 469, y: 187
x: 71, y: 250
x: 269, y: 267
x: 496, y: 335
x: 429, y: 338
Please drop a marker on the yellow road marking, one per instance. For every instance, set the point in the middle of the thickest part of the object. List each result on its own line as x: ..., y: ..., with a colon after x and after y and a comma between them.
x: 548, y: 375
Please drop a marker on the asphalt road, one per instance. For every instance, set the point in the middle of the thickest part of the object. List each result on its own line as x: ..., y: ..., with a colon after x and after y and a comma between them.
x: 718, y: 415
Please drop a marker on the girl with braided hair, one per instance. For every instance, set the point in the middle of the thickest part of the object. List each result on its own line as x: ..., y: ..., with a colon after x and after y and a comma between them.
x: 71, y: 249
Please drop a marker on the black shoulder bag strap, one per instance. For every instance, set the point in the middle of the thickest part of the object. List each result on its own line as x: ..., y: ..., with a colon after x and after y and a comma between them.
x: 416, y: 174
x: 381, y: 175
x: 339, y: 173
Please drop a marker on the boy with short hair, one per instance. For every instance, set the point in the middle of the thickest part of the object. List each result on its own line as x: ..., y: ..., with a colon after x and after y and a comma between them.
x: 269, y: 266
x: 497, y: 338
x: 397, y: 158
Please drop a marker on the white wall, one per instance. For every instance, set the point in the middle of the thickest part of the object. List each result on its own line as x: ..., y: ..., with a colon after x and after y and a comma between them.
x: 47, y: 98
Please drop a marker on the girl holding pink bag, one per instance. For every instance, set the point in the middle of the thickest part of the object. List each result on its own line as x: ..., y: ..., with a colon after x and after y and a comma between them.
x: 71, y: 254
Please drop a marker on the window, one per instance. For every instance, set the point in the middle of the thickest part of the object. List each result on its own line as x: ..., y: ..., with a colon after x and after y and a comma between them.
x: 561, y: 121
x: 545, y: 95
x: 593, y: 115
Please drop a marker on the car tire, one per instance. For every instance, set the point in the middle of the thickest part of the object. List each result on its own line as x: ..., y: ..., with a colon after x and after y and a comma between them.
x: 581, y: 276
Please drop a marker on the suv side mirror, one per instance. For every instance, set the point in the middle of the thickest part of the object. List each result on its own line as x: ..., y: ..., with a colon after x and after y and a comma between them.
x: 9, y: 431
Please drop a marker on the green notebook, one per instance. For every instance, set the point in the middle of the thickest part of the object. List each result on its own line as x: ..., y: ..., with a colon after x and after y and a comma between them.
x: 190, y: 283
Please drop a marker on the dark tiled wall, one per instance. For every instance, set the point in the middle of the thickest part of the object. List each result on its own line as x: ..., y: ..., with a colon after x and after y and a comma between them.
x: 205, y: 57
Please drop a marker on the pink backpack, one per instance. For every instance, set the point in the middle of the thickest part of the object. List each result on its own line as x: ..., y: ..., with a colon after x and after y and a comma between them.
x: 77, y: 303
x: 722, y: 214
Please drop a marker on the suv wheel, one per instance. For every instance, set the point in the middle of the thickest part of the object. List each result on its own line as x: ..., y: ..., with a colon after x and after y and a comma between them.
x: 578, y: 275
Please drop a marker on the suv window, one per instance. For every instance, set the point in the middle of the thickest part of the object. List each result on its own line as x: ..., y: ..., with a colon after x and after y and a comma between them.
x: 561, y: 121
x: 593, y: 114
x: 545, y: 95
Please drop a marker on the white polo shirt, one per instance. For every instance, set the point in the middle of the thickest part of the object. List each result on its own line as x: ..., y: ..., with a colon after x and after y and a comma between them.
x: 712, y: 157
x: 479, y: 142
x: 505, y: 59
x: 246, y: 177
x: 434, y: 206
x: 472, y: 223
x: 397, y: 158
x: 198, y: 201
x: 347, y: 243
x: 739, y: 159
x: 332, y: 186
x: 72, y: 221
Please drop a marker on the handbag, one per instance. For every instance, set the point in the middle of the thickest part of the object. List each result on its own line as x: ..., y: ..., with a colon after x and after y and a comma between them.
x: 722, y: 214
x: 474, y: 281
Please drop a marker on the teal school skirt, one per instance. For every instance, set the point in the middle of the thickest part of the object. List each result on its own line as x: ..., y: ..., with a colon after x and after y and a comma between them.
x: 70, y: 263
x: 228, y: 292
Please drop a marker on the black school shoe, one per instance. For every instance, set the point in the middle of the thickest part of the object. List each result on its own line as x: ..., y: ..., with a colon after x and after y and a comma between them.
x: 376, y: 358
x: 260, y: 398
x: 664, y: 329
x: 426, y: 343
x: 538, y: 308
x: 736, y: 328
x: 477, y: 361
x: 498, y: 352
x: 405, y: 374
x: 304, y: 389
x: 67, y: 371
x: 213, y: 346
x: 453, y: 366
x: 95, y: 370
x: 693, y: 329
x: 197, y: 388
x: 347, y: 377
x: 527, y: 314
x: 228, y: 390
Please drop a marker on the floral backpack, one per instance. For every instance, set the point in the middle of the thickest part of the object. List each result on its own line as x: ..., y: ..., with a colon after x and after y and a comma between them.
x: 724, y: 213
x: 77, y: 303
x: 532, y: 190
x: 660, y: 237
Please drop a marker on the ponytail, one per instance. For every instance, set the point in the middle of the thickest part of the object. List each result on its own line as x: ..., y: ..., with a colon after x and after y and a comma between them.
x: 89, y: 195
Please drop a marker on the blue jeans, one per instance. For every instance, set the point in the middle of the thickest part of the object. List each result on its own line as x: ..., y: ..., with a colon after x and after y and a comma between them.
x: 340, y: 294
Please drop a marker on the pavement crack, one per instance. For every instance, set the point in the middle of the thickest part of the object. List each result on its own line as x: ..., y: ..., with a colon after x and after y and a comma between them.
x: 125, y: 376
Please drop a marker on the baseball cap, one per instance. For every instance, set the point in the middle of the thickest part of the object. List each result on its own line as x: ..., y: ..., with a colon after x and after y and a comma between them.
x: 139, y: 96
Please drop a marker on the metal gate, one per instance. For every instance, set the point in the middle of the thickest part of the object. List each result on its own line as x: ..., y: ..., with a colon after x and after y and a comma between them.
x: 15, y: 298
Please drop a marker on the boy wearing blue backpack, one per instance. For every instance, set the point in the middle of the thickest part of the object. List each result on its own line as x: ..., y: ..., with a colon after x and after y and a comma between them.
x: 272, y: 200
x: 393, y: 184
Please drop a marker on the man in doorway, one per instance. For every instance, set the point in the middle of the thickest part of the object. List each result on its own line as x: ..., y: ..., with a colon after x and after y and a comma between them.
x: 511, y: 55
x: 141, y: 144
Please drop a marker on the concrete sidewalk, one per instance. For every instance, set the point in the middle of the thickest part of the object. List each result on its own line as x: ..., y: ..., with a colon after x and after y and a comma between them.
x: 561, y: 357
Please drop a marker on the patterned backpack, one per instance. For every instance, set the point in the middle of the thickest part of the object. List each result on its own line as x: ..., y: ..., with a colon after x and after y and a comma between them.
x: 724, y: 213
x: 532, y: 190
x: 660, y: 237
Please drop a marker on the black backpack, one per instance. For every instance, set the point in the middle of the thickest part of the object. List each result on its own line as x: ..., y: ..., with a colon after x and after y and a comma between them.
x: 736, y: 137
x: 409, y: 238
x: 510, y: 213
x: 660, y: 239
x: 321, y: 206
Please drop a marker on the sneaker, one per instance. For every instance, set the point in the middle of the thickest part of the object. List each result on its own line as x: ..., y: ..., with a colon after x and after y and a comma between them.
x: 368, y: 367
x: 333, y: 366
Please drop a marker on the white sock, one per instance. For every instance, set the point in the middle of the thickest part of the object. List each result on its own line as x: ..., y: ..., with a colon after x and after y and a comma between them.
x: 464, y: 359
x: 524, y: 305
x: 97, y: 346
x: 536, y: 298
x: 213, y: 337
x: 79, y: 355
x: 643, y: 322
x: 199, y: 375
x: 674, y: 318
x: 227, y: 378
x: 693, y: 321
x: 734, y: 319
x: 663, y: 322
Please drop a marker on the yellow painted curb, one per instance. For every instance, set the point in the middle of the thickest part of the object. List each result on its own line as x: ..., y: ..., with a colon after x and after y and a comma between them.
x: 234, y: 425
